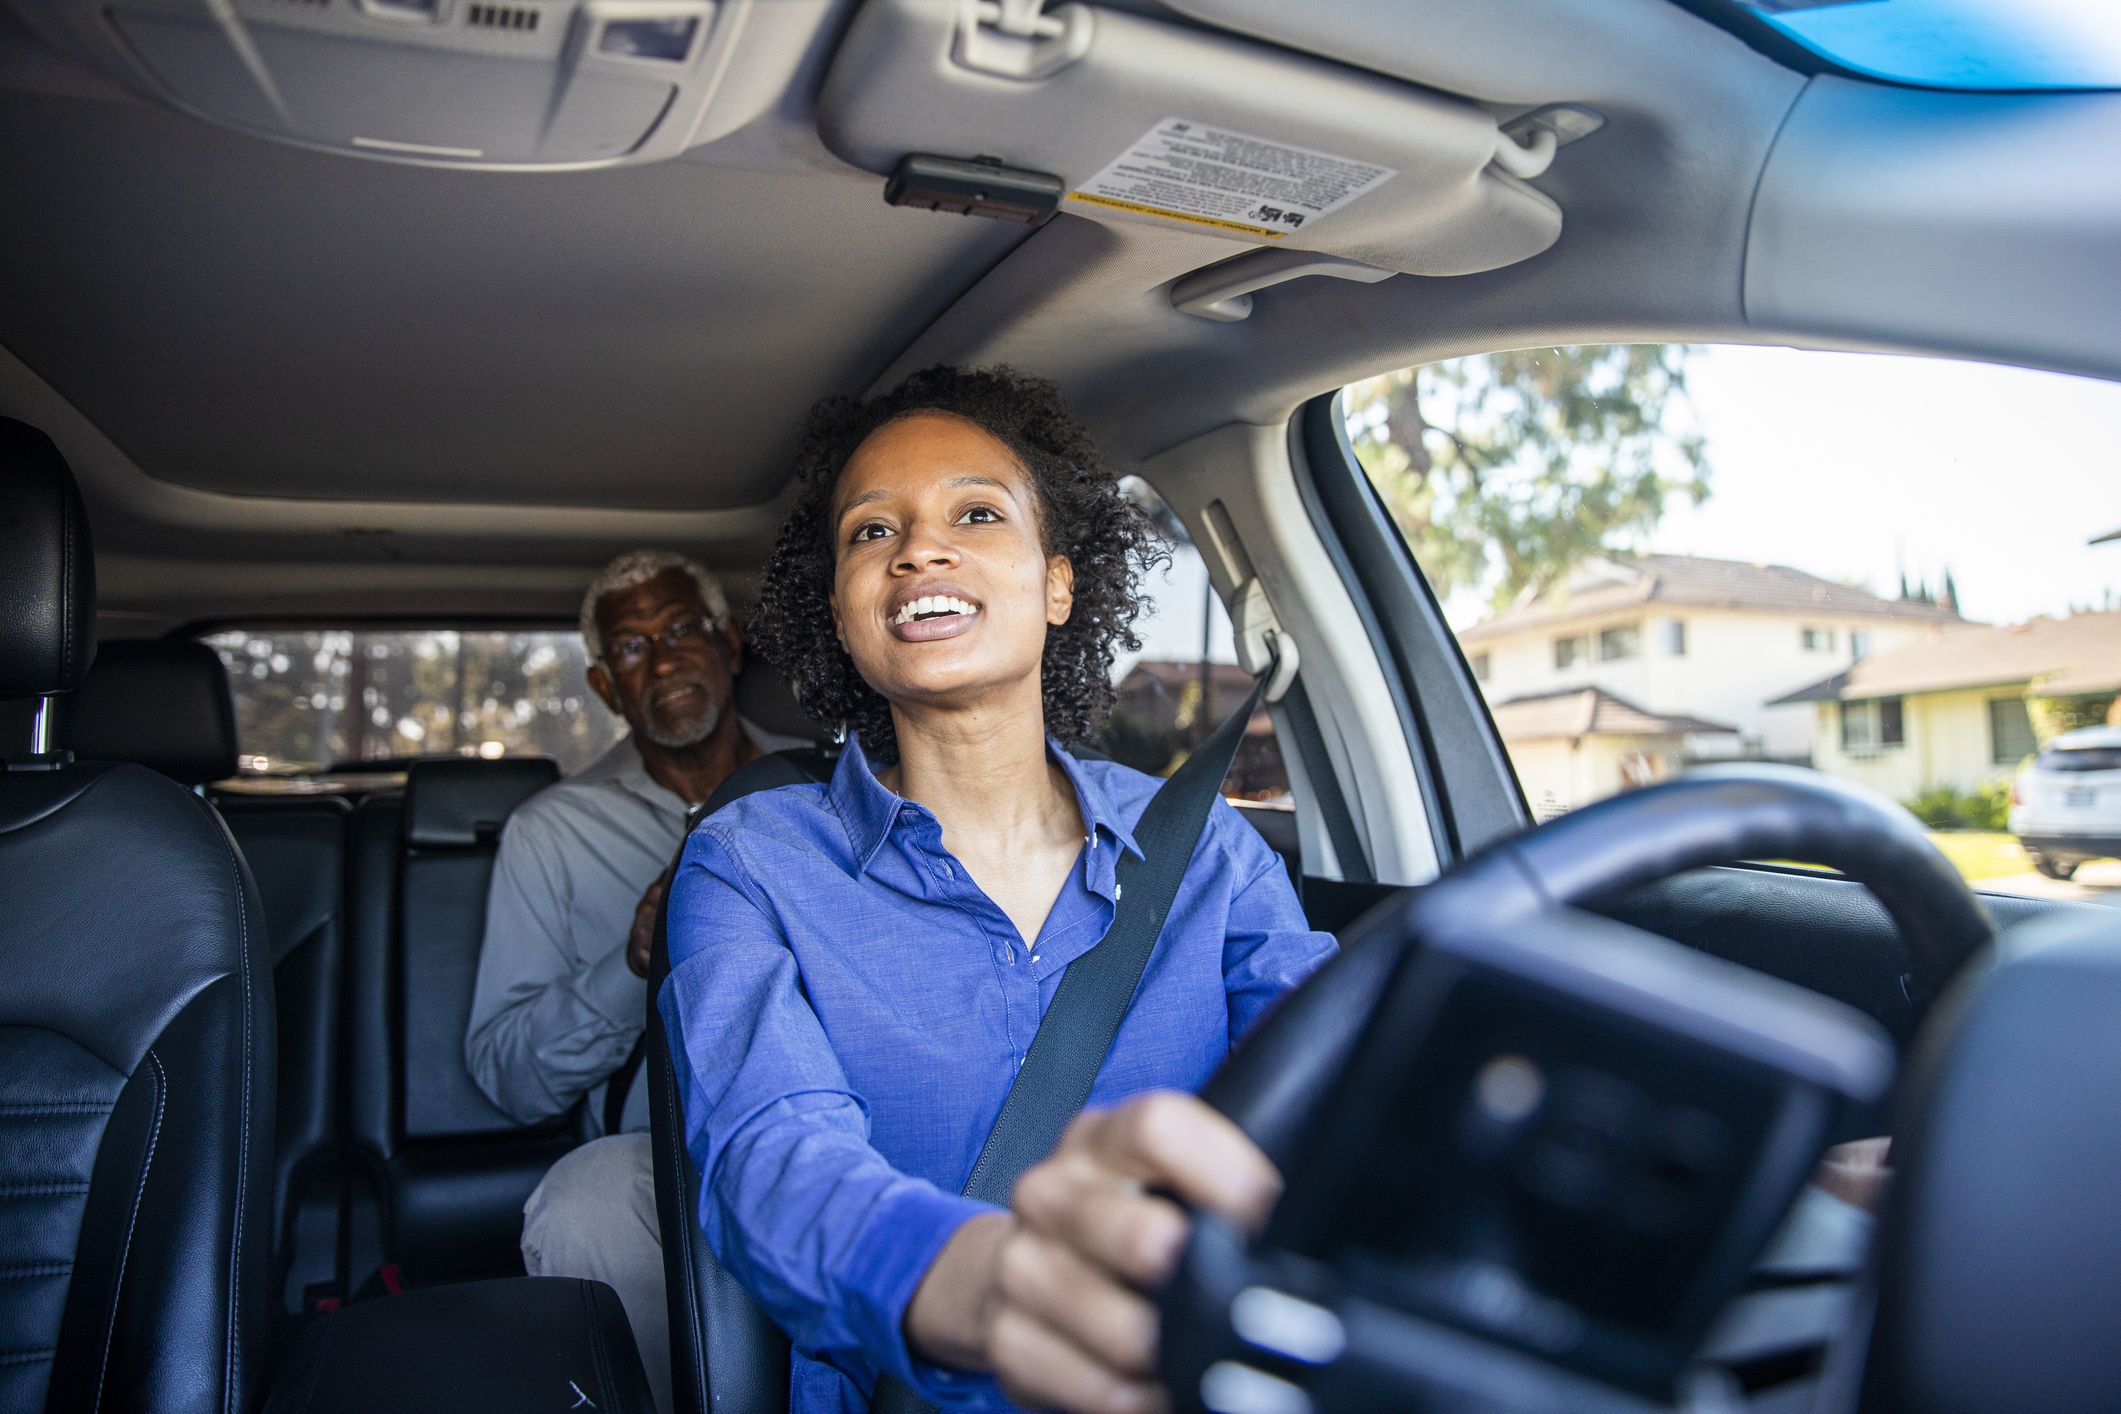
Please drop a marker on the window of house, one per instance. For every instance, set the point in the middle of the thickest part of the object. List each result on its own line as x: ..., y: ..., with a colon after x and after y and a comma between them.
x: 311, y: 699
x: 1873, y: 725
x: 1790, y: 590
x: 2010, y: 731
x: 1480, y: 667
x: 1614, y: 644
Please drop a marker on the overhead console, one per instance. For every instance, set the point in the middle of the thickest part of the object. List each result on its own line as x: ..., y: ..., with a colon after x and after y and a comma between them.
x: 1143, y: 121
x: 476, y: 83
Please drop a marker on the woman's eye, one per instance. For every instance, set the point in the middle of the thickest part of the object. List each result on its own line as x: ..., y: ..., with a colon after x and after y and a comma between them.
x: 873, y: 530
x: 981, y: 515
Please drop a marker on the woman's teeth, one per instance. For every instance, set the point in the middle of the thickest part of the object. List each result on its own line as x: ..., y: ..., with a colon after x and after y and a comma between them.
x: 931, y: 606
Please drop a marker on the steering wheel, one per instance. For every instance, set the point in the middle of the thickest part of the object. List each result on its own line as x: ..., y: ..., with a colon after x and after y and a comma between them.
x: 1280, y: 1082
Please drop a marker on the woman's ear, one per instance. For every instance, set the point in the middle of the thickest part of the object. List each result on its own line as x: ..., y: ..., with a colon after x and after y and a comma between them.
x: 839, y: 631
x: 1060, y: 589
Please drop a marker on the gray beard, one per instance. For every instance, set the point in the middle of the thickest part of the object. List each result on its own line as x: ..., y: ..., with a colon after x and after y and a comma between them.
x: 691, y: 736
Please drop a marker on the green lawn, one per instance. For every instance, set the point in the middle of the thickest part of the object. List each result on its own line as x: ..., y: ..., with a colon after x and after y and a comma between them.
x: 1980, y: 854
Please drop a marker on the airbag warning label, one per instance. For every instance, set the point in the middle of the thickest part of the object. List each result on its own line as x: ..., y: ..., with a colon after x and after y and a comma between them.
x: 1213, y: 177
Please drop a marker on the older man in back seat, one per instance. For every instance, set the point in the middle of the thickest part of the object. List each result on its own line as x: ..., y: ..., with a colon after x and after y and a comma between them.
x: 560, y: 1000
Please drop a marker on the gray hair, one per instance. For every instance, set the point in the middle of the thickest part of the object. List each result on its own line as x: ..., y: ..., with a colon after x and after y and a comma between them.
x: 635, y: 568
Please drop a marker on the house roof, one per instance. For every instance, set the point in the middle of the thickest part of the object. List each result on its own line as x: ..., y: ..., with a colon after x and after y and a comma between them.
x: 1691, y: 581
x: 2057, y: 657
x: 1590, y: 711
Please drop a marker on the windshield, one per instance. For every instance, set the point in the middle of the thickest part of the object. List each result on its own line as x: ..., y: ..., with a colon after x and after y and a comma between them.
x: 1964, y: 44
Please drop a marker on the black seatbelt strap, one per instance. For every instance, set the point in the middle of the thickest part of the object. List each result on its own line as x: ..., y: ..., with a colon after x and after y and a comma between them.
x: 1076, y: 1032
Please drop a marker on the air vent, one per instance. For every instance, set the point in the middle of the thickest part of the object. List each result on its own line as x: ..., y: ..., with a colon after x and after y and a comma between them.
x: 510, y: 17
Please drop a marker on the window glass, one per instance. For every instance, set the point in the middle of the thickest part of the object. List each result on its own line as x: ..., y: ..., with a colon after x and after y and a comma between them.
x: 1895, y: 570
x: 2010, y: 730
x: 2082, y: 758
x: 1185, y: 678
x: 311, y: 699
x: 1969, y: 44
x: 1617, y: 643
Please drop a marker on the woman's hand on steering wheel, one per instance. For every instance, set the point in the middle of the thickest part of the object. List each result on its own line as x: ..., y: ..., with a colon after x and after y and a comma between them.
x: 1062, y: 1317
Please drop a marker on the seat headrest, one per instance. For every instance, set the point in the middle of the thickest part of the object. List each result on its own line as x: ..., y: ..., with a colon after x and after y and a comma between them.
x: 763, y: 700
x: 455, y: 804
x: 162, y: 703
x: 47, y: 568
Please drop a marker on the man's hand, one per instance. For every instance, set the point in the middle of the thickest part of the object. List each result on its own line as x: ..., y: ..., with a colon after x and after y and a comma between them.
x: 640, y: 939
x: 1053, y: 1296
x: 1856, y: 1172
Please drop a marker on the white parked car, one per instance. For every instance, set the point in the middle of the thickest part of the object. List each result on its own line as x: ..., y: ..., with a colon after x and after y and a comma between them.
x: 2066, y: 805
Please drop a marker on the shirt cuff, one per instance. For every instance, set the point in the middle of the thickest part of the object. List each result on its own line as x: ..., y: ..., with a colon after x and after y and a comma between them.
x: 611, y: 987
x: 903, y: 1237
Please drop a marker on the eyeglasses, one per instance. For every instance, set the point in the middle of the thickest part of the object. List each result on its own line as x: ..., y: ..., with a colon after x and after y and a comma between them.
x: 629, y: 652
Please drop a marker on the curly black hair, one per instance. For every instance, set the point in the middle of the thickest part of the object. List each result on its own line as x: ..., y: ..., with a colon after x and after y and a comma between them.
x: 1082, y: 514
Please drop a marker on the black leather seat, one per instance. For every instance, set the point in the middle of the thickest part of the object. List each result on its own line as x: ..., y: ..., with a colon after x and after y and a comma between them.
x: 165, y: 704
x: 453, y: 1171
x: 136, y: 1035
x: 727, y: 1356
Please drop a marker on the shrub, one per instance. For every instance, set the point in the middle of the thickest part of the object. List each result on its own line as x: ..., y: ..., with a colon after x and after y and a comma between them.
x: 1985, y: 807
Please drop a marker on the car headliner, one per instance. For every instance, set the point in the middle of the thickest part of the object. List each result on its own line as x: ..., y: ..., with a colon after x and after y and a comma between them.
x: 294, y: 382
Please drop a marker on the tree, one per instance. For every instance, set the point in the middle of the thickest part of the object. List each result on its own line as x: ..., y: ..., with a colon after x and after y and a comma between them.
x: 1505, y: 471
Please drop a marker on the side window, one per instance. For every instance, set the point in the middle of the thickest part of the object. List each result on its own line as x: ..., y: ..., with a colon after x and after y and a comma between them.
x: 312, y: 699
x: 1185, y: 679
x: 1902, y: 571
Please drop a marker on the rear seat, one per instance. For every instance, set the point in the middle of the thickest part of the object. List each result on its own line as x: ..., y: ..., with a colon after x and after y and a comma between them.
x: 164, y: 704
x: 453, y: 1172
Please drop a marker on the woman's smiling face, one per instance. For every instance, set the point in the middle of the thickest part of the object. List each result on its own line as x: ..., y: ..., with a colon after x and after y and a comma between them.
x: 942, y: 587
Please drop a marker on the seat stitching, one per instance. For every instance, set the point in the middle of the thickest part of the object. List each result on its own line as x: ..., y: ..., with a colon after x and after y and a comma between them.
x: 41, y: 1190
x: 66, y: 585
x: 693, y: 1317
x: 154, y: 1137
x: 83, y: 1107
x: 232, y: 1360
x: 27, y: 1357
x: 29, y: 1271
x: 599, y: 1357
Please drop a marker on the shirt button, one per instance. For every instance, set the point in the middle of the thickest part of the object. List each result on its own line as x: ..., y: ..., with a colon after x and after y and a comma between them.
x: 944, y: 871
x: 1117, y: 890
x: 1002, y: 954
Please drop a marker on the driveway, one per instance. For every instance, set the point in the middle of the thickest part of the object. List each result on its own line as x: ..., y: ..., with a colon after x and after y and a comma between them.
x: 2097, y: 882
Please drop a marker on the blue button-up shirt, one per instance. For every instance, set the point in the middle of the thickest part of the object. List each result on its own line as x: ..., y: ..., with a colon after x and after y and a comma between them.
x: 847, y: 1009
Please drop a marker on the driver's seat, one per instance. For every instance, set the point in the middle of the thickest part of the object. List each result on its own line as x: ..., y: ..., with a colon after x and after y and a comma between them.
x: 136, y: 1034
x: 727, y: 1356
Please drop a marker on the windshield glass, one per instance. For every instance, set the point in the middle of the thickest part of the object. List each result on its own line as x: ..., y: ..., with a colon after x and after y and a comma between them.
x: 1965, y: 44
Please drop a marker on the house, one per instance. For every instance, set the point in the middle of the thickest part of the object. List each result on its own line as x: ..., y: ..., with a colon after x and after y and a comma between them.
x: 1162, y: 710
x: 1578, y: 744
x: 1670, y: 658
x: 1965, y: 703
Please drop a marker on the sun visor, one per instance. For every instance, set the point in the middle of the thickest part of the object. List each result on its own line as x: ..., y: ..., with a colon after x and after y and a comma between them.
x: 1144, y: 121
x: 476, y: 83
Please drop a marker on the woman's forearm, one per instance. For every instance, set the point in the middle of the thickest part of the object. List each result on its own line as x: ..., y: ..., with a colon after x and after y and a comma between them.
x: 952, y: 1307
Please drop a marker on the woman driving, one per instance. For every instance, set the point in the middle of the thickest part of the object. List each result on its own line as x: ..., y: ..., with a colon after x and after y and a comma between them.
x: 858, y: 967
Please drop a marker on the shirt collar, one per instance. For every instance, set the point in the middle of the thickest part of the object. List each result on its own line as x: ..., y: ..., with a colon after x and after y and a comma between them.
x: 1098, y: 810
x: 868, y: 809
